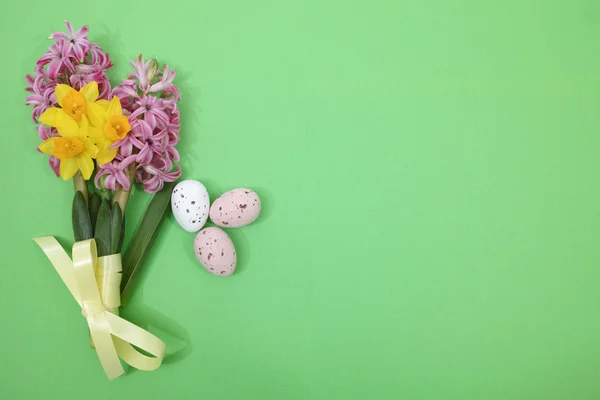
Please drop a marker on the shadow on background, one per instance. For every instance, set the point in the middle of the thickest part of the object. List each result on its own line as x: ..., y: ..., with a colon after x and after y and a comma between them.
x: 173, y: 334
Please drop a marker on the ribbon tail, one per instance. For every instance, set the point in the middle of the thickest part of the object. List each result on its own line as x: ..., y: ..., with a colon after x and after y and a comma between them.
x: 127, y: 334
x: 105, y: 348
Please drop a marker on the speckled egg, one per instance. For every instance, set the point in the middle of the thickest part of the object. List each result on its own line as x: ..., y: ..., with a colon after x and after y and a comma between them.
x: 236, y: 208
x: 190, y: 204
x: 215, y: 251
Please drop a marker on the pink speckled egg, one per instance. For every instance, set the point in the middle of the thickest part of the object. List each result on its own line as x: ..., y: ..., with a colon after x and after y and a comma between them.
x: 236, y: 208
x: 215, y: 251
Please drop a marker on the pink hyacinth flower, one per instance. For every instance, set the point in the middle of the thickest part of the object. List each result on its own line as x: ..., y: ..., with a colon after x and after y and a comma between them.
x: 144, y: 72
x: 76, y: 42
x: 149, y: 98
x: 54, y: 165
x: 127, y: 92
x: 148, y: 143
x: 154, y: 175
x: 174, y: 125
x: 99, y: 59
x: 152, y: 110
x: 165, y: 83
x: 79, y: 80
x: 56, y: 60
x: 114, y: 176
x: 43, y: 97
x: 46, y: 132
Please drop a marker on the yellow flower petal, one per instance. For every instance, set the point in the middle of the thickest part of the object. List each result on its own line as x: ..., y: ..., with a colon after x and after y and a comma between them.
x: 49, y: 116
x: 106, y: 155
x: 67, y: 126
x: 97, y: 114
x: 96, y: 135
x: 90, y: 148
x: 103, y: 103
x: 84, y: 124
x: 61, y: 91
x: 86, y: 165
x: 115, y: 109
x: 90, y: 92
x: 86, y: 130
x: 68, y: 168
x: 47, y: 146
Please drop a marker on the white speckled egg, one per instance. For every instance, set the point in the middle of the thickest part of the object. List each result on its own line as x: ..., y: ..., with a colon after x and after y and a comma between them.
x: 236, y: 208
x: 190, y: 205
x: 215, y: 251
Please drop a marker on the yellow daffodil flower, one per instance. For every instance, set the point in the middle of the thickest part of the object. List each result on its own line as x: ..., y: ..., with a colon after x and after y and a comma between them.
x: 75, y: 104
x: 105, y: 152
x: 116, y: 126
x: 108, y: 126
x: 73, y: 148
x: 101, y: 121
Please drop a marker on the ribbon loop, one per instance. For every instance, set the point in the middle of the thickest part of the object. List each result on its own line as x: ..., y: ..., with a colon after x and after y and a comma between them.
x: 94, y: 283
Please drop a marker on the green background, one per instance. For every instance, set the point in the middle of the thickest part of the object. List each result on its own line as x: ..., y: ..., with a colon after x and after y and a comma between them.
x: 429, y: 173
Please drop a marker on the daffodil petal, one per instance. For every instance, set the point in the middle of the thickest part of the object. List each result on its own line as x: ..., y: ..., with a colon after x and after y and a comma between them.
x: 47, y: 146
x: 103, y: 103
x: 67, y: 126
x: 97, y: 114
x: 61, y: 91
x: 96, y: 135
x: 114, y: 108
x: 85, y: 129
x: 68, y: 168
x: 106, y: 155
x: 48, y: 117
x: 84, y: 124
x: 86, y: 165
x: 90, y: 148
x: 90, y: 92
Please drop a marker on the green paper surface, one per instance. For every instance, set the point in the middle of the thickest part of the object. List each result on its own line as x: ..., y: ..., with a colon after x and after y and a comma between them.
x: 429, y: 172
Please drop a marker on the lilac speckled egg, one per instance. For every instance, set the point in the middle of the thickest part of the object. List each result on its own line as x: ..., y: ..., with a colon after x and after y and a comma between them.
x: 215, y: 251
x: 236, y: 208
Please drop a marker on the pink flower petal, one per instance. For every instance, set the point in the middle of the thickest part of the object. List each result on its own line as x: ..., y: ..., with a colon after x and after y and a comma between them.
x: 70, y: 28
x: 82, y: 32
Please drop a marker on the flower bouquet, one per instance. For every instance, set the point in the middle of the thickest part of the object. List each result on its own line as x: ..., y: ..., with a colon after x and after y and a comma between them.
x: 105, y: 140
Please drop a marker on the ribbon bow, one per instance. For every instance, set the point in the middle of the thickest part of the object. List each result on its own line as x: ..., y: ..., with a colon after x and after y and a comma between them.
x: 94, y: 283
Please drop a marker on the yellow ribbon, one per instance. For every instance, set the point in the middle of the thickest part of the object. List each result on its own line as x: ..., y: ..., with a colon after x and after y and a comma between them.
x: 94, y: 283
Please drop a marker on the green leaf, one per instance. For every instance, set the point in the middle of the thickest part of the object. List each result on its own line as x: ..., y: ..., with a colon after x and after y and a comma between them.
x: 116, y: 216
x: 80, y: 218
x: 144, y: 238
x: 103, y: 229
x: 95, y: 202
x: 122, y: 236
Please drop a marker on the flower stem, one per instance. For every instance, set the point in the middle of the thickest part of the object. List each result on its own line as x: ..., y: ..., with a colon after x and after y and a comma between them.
x: 81, y: 185
x: 122, y: 196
